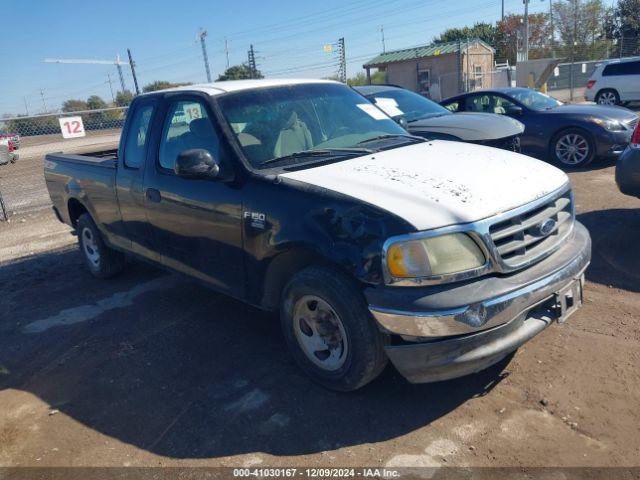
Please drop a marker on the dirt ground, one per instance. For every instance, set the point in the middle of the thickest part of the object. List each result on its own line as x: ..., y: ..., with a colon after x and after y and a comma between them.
x: 149, y: 369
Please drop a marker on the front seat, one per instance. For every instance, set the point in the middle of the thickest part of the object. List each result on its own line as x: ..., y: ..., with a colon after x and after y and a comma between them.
x: 203, y: 136
x: 294, y: 137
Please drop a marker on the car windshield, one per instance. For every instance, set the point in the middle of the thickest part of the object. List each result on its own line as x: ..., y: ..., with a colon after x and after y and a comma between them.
x: 305, y: 123
x: 535, y: 100
x: 398, y: 102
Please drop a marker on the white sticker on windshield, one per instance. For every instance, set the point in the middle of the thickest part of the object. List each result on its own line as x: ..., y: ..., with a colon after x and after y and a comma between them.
x: 373, y: 111
x: 389, y: 106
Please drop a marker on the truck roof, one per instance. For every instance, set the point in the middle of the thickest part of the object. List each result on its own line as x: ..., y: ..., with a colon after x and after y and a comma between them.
x: 218, y: 88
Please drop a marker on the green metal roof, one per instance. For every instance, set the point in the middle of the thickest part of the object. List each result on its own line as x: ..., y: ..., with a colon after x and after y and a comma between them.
x: 431, y: 50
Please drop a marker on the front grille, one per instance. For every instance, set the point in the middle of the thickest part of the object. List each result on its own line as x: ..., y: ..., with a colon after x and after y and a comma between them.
x: 508, y: 143
x: 519, y: 241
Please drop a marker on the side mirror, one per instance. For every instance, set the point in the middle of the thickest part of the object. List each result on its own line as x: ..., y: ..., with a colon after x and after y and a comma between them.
x: 514, y: 110
x: 197, y: 163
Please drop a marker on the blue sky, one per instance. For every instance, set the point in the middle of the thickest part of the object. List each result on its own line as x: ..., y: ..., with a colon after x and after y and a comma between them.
x: 288, y: 36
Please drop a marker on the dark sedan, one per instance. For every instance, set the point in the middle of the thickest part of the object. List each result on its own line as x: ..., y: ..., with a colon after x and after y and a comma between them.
x: 628, y: 167
x: 571, y: 135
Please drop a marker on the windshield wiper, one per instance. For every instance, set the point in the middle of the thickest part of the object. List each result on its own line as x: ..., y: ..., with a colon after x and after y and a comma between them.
x: 322, y: 153
x: 392, y: 135
x: 428, y: 115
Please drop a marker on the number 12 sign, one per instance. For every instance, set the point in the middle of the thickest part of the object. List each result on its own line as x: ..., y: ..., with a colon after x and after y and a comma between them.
x: 72, y: 127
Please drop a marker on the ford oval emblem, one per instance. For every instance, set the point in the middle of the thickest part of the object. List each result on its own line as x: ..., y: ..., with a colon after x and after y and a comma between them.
x: 546, y: 227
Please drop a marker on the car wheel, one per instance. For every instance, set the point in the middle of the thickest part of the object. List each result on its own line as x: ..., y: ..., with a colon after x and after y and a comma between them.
x: 608, y: 97
x: 102, y: 261
x: 329, y: 330
x: 573, y: 148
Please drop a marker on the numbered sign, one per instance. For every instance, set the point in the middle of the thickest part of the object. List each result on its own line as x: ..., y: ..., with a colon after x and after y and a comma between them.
x: 71, y: 127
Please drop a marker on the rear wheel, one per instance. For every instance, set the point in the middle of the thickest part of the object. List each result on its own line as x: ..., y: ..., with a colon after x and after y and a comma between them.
x: 329, y: 330
x: 573, y: 148
x: 608, y: 97
x: 102, y: 261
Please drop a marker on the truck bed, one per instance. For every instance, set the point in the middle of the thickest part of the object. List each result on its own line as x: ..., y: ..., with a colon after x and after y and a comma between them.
x: 90, y: 176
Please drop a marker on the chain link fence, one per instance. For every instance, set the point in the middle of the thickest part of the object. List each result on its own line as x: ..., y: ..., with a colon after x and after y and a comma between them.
x: 22, y: 186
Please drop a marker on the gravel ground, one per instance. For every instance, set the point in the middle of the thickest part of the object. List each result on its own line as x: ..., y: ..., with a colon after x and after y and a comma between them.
x: 149, y: 369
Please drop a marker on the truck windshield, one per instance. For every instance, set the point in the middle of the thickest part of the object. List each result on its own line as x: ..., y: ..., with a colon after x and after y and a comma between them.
x: 305, y: 123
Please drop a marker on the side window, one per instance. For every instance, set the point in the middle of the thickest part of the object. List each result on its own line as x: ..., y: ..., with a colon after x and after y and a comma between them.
x: 611, y: 70
x: 186, y: 126
x: 488, y: 104
x: 630, y: 68
x: 135, y: 146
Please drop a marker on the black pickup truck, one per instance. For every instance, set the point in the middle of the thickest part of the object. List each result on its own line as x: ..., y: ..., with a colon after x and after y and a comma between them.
x: 304, y: 198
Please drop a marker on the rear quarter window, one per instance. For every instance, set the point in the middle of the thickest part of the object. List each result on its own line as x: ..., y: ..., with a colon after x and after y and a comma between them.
x: 622, y: 68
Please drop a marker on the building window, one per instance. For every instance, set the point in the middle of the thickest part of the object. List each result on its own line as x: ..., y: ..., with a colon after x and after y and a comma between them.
x: 424, y: 81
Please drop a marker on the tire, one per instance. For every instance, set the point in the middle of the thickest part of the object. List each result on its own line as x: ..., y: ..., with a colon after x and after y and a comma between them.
x: 338, y: 345
x: 608, y: 97
x: 102, y: 261
x: 13, y: 159
x: 584, y: 150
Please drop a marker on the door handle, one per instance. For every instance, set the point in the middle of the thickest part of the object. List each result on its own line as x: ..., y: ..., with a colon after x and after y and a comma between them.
x: 153, y: 195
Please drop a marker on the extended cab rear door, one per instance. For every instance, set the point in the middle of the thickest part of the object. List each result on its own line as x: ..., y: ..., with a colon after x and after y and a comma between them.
x: 134, y: 151
x: 196, y: 224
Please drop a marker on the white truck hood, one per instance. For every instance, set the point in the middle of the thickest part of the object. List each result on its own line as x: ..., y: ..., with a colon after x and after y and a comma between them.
x: 439, y: 183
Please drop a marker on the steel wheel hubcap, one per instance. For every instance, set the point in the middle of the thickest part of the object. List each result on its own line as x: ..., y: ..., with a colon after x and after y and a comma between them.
x: 607, y: 98
x: 90, y: 246
x: 320, y: 332
x: 572, y: 149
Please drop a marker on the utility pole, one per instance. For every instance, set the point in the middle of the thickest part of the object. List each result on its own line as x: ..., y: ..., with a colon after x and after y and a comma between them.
x: 553, y: 33
x: 502, y: 10
x: 226, y: 50
x: 110, y: 87
x: 26, y: 108
x: 573, y: 47
x: 252, y: 62
x: 342, y: 68
x: 384, y: 49
x: 119, y: 65
x: 526, y: 30
x: 44, y: 104
x: 133, y: 71
x: 202, y: 35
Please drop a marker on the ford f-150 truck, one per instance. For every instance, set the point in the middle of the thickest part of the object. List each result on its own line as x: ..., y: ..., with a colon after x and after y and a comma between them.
x: 301, y: 197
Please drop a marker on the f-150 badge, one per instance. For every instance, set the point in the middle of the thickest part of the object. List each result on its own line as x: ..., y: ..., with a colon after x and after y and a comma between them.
x: 256, y: 219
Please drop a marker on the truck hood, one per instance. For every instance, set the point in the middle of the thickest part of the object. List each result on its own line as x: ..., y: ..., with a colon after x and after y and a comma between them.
x: 470, y: 127
x: 439, y: 183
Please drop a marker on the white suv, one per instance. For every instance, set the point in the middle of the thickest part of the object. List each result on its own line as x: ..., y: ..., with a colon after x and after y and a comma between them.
x: 615, y: 82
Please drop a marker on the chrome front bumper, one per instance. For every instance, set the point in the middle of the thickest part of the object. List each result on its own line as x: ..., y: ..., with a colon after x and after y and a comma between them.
x: 504, y: 299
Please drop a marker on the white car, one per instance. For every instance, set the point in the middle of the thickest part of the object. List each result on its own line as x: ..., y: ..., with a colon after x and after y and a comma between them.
x: 615, y: 82
x: 7, y: 152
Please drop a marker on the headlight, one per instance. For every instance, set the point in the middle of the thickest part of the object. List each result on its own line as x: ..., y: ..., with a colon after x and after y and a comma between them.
x: 426, y: 257
x: 611, y: 125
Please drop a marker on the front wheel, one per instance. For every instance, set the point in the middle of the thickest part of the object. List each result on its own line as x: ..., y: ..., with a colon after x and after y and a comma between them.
x: 608, y: 97
x: 573, y: 148
x: 329, y: 330
x: 102, y: 261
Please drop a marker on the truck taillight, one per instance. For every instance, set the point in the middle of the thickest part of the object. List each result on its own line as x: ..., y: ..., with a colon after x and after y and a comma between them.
x: 11, y: 147
x: 591, y: 83
x: 635, y: 139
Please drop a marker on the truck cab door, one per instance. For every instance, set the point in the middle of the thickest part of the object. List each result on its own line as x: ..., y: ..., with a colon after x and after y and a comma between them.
x: 134, y: 150
x: 195, y: 223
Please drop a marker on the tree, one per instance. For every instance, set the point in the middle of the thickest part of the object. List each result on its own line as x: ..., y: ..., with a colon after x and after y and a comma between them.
x: 509, y: 34
x: 239, y: 72
x: 623, y: 24
x: 94, y: 102
x: 361, y: 79
x: 482, y: 30
x: 161, y: 85
x: 74, y: 106
x: 579, y: 21
x: 123, y: 99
